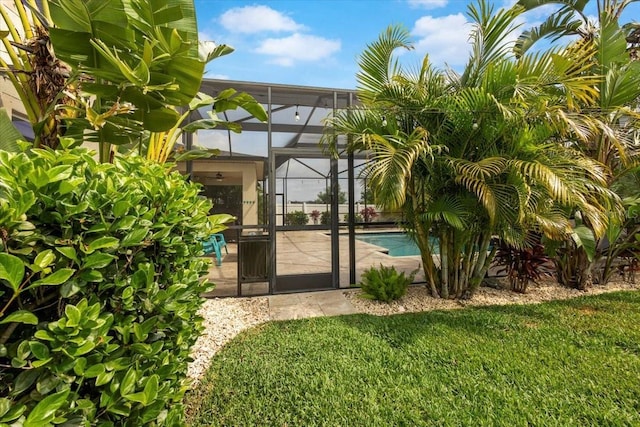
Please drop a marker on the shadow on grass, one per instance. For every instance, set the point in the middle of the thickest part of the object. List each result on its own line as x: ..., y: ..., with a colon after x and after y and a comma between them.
x: 491, y: 322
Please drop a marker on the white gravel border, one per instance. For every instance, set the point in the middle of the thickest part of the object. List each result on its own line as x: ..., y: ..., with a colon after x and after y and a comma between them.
x: 224, y: 318
x: 419, y: 299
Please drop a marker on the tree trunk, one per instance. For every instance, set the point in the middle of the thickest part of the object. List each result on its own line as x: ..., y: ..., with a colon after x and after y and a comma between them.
x: 427, y: 257
x: 444, y: 262
x: 584, y: 278
x: 456, y: 265
x: 573, y: 268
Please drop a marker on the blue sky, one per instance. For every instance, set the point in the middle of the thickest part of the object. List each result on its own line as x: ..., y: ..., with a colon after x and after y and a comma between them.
x: 317, y: 43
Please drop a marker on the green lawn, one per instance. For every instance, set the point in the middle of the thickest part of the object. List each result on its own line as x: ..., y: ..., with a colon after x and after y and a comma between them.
x: 574, y: 362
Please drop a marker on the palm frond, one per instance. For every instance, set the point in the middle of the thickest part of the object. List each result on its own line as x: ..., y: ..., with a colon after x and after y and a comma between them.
x: 548, y: 178
x: 447, y: 209
x: 483, y: 169
x: 482, y: 190
x: 568, y: 124
x: 511, y: 206
x: 557, y: 25
x: 620, y: 85
x: 552, y: 223
x: 392, y: 160
x: 490, y: 38
x: 477, y: 177
x: 612, y: 43
x: 376, y: 64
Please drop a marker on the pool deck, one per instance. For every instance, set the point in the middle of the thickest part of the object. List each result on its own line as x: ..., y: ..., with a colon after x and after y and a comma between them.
x: 308, y: 251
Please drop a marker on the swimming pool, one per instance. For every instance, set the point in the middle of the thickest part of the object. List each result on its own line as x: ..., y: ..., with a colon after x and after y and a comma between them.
x: 398, y: 244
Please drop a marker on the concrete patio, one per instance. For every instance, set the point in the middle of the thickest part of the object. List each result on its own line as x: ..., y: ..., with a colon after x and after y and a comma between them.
x: 309, y: 304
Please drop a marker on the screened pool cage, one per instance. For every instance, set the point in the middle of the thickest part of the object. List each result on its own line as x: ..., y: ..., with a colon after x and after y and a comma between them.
x: 305, y: 220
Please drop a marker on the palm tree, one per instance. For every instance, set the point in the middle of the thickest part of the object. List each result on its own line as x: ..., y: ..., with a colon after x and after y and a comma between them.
x: 471, y: 157
x: 613, y: 112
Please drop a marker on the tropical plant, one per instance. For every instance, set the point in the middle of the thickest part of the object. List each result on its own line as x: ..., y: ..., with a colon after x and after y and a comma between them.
x: 40, y: 79
x: 611, y: 133
x: 522, y: 264
x: 385, y: 283
x: 623, y: 249
x: 471, y: 156
x: 10, y: 135
x: 138, y: 61
x: 325, y: 218
x: 574, y: 256
x: 132, y: 66
x: 315, y: 214
x: 357, y: 218
x: 100, y: 283
x: 217, y: 222
x: 160, y: 145
x: 368, y: 213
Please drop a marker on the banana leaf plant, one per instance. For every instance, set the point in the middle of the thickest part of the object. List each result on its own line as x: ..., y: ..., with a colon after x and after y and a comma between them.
x: 161, y: 144
x: 134, y: 67
x: 146, y: 67
x: 136, y: 61
x: 39, y: 78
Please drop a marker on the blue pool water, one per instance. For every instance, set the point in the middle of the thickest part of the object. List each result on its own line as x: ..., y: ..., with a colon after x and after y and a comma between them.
x: 398, y: 244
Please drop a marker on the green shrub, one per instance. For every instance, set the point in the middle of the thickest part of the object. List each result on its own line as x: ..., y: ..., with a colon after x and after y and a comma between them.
x: 297, y: 218
x: 357, y: 218
x: 99, y: 289
x: 385, y: 284
x: 325, y: 218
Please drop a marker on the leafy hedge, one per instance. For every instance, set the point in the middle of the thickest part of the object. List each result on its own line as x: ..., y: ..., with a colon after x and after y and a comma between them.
x: 100, y: 282
x: 297, y: 218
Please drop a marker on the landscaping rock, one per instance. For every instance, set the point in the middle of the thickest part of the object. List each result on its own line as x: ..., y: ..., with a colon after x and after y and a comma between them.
x: 224, y: 318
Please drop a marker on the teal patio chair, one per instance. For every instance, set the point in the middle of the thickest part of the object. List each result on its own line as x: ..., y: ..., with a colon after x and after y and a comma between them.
x: 214, y: 244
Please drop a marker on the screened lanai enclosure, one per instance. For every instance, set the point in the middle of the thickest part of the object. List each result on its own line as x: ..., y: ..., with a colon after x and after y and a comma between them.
x: 305, y: 220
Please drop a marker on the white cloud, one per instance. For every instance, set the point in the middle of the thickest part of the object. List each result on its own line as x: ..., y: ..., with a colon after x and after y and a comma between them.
x: 427, y: 4
x: 204, y: 36
x: 445, y: 38
x: 298, y: 47
x: 255, y: 19
x: 217, y: 76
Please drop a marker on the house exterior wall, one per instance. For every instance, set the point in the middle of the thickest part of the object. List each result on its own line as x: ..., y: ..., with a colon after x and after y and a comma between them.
x: 236, y: 173
x: 9, y: 99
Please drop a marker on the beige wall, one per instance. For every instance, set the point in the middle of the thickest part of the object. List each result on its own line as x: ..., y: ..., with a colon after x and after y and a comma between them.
x: 235, y: 173
x: 9, y: 99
